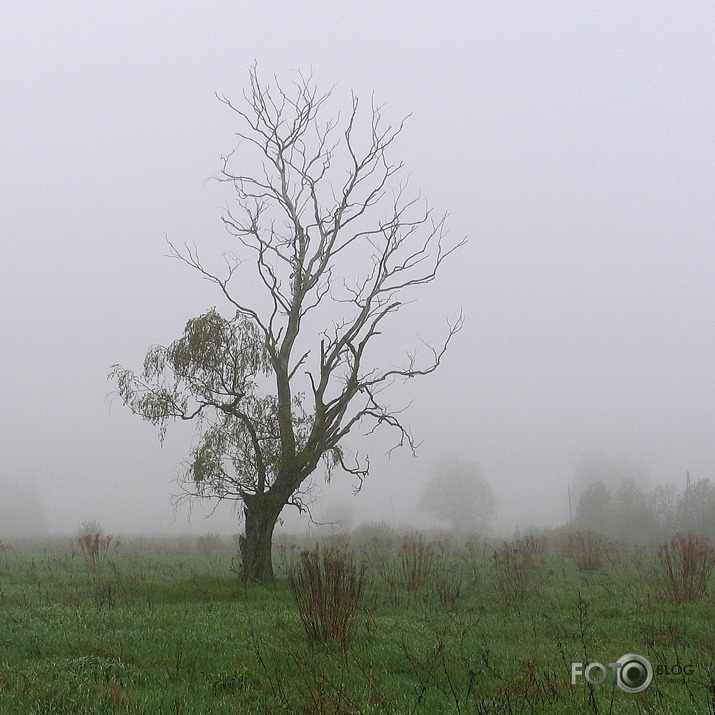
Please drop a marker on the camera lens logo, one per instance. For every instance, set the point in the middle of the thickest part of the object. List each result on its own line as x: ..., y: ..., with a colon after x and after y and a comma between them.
x: 634, y: 673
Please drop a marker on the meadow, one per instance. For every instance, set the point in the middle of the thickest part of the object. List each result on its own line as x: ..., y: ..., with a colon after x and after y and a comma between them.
x: 422, y: 626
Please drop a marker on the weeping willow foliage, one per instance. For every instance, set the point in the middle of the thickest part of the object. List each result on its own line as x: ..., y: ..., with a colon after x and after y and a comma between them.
x: 214, y: 374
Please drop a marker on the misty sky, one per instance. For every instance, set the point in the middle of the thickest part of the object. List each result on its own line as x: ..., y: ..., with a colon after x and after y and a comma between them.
x: 573, y: 143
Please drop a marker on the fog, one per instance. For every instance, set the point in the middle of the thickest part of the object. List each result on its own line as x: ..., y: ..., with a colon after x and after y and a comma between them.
x: 574, y: 144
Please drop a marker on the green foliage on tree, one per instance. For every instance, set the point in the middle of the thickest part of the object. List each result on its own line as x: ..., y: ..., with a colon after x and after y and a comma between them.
x: 212, y: 374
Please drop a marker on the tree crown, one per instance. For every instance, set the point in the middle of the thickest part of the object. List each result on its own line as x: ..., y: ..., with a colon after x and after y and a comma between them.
x: 321, y: 224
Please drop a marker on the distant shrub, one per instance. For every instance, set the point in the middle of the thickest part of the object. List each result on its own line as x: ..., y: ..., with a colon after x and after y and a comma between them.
x: 364, y: 534
x: 341, y: 541
x: 90, y: 527
x: 516, y: 567
x: 533, y: 543
x: 686, y: 563
x: 587, y: 549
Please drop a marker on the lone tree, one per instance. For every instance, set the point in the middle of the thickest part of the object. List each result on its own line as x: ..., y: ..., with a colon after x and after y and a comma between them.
x: 458, y: 493
x: 334, y: 245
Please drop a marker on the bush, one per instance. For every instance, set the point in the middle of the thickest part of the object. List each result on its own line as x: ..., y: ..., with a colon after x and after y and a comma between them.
x: 517, y: 568
x: 587, y: 549
x: 686, y: 563
x: 328, y: 587
x: 90, y: 527
x: 369, y: 532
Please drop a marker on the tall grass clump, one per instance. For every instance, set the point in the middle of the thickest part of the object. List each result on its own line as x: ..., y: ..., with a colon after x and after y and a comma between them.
x: 686, y: 563
x: 328, y: 587
x: 516, y: 567
x: 587, y: 549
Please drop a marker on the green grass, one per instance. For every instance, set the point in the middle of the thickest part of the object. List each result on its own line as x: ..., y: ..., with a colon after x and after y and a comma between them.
x: 161, y: 632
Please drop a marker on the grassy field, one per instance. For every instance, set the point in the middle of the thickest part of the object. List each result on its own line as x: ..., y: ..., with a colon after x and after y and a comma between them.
x: 442, y: 628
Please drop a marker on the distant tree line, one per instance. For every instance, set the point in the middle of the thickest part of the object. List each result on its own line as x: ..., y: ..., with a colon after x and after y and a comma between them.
x: 632, y: 514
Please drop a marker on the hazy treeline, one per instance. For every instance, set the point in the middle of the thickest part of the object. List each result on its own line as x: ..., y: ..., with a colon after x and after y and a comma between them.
x: 633, y: 514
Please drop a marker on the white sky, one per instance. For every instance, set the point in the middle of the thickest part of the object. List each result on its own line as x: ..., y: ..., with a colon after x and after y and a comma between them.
x: 572, y: 142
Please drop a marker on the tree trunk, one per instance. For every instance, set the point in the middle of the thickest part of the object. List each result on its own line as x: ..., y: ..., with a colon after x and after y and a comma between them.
x: 261, y: 514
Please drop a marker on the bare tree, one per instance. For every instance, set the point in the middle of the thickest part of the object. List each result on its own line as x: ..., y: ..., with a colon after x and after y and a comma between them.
x: 336, y: 247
